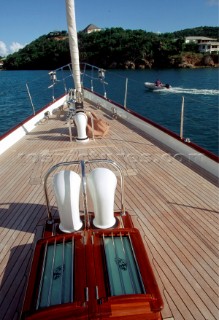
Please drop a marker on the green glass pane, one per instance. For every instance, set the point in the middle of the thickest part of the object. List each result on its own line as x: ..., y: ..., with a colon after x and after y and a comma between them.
x: 124, y: 276
x: 57, y: 282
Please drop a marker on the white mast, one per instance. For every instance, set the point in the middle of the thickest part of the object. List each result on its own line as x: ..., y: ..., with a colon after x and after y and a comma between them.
x: 73, y: 43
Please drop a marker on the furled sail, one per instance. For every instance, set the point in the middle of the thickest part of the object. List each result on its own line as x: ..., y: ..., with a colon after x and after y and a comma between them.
x: 73, y: 43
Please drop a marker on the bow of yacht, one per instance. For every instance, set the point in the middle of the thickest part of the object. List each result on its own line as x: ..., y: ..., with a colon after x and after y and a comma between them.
x: 171, y: 199
x: 73, y: 245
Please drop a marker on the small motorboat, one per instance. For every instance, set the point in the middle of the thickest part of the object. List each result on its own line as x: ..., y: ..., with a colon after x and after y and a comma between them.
x: 157, y: 86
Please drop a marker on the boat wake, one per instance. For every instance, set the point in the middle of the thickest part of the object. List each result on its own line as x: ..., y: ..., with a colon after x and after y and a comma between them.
x: 212, y: 92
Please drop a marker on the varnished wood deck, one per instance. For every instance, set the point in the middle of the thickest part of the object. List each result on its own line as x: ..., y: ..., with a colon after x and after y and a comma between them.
x: 175, y: 208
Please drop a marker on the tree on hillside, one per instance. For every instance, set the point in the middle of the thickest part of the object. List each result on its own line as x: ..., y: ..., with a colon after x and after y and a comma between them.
x: 112, y: 46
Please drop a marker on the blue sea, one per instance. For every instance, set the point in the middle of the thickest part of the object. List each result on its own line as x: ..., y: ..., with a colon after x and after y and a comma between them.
x: 198, y: 87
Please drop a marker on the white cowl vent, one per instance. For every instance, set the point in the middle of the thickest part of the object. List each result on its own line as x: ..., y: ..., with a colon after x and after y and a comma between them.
x: 66, y: 186
x: 102, y: 186
x: 80, y: 119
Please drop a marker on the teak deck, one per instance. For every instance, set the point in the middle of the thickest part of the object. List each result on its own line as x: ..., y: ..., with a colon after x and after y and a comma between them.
x: 174, y: 207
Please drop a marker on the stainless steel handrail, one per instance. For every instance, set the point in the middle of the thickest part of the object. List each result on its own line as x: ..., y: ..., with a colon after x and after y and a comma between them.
x: 82, y: 164
x: 42, y: 273
x: 84, y: 191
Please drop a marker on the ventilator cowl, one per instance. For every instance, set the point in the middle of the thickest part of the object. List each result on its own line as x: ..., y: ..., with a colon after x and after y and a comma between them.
x: 80, y: 119
x: 102, y: 185
x: 66, y: 186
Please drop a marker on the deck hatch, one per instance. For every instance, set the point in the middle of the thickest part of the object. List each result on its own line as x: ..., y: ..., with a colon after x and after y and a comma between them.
x: 56, y: 284
x: 123, y: 271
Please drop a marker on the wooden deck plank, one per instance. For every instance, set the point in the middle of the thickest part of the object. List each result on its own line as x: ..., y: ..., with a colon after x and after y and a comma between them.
x: 178, y: 247
x: 179, y: 212
x: 175, y: 209
x: 180, y: 279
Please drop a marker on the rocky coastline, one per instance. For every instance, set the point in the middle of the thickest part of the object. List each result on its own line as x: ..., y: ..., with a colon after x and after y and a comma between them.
x: 185, y: 61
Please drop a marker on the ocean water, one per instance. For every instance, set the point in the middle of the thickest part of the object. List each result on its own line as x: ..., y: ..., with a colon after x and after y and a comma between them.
x: 198, y: 87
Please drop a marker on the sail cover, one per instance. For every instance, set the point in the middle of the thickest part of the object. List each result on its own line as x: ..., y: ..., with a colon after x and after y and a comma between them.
x: 73, y: 43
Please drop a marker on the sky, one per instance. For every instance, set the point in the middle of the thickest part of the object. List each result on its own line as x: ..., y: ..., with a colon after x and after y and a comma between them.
x: 23, y: 21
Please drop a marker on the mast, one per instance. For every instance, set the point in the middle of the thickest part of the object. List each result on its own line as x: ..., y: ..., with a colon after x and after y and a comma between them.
x: 80, y: 116
x: 73, y: 44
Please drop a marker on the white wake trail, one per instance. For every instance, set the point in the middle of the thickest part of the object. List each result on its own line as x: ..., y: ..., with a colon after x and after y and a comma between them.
x: 212, y: 92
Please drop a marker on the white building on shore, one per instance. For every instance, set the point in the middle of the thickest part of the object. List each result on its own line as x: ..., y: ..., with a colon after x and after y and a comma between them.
x: 205, y: 45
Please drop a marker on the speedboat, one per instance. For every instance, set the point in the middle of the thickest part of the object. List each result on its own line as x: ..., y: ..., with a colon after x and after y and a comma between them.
x: 153, y: 86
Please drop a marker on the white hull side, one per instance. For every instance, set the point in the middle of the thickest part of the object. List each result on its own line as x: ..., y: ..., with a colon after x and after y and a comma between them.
x: 27, y: 126
x: 181, y: 149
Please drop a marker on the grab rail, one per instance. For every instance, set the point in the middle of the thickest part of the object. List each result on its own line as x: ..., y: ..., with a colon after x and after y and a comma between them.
x: 82, y: 164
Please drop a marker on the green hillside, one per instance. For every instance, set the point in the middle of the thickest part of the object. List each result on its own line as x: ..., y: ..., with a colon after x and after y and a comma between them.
x: 109, y: 48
